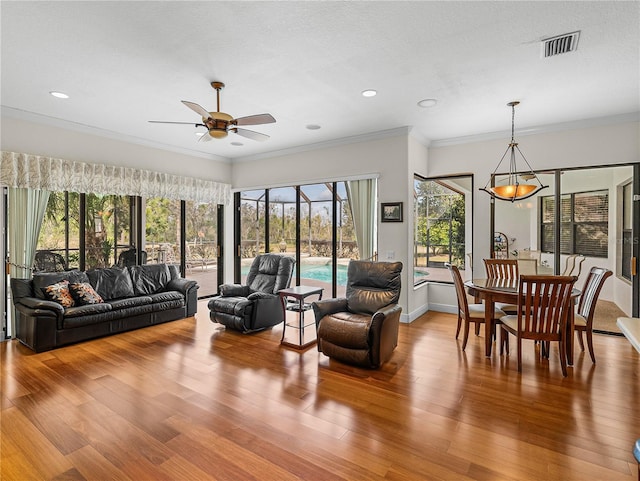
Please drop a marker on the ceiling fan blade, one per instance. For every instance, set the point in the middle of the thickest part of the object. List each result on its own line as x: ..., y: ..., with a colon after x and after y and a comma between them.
x: 250, y: 134
x: 204, y: 137
x: 255, y: 120
x: 169, y: 122
x: 197, y: 109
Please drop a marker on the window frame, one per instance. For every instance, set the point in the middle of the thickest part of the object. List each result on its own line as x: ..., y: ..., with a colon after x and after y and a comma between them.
x: 468, y: 224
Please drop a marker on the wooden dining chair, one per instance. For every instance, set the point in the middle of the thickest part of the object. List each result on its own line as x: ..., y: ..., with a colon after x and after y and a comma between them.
x: 503, y: 269
x: 468, y: 312
x: 587, y: 306
x: 544, y: 304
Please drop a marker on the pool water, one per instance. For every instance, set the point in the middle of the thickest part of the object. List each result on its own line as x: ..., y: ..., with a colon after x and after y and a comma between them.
x: 317, y: 272
x: 322, y: 272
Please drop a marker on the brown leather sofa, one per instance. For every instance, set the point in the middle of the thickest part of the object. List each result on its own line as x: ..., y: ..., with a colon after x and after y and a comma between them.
x: 133, y: 297
x: 362, y: 328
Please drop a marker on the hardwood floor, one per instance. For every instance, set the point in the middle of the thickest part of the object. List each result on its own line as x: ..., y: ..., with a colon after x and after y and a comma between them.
x: 188, y: 400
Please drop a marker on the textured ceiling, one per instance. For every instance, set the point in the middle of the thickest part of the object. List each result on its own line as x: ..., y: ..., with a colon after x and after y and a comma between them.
x: 124, y: 63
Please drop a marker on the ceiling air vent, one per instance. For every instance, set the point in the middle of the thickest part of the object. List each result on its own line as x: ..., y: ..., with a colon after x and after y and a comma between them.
x: 567, y: 42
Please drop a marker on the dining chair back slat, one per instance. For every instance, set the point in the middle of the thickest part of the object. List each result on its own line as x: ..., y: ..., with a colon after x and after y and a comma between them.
x: 501, y: 268
x: 591, y: 290
x: 544, y: 304
x: 587, y: 306
x: 507, y: 269
x: 543, y: 311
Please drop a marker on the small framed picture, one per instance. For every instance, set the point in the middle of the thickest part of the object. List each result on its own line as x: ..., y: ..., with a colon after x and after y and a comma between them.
x: 391, y: 211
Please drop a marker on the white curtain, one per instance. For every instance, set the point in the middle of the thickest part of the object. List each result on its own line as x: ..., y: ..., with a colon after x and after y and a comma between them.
x: 59, y: 175
x: 362, y: 200
x: 25, y: 210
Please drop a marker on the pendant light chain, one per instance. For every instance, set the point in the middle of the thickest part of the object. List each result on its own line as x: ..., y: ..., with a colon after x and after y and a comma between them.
x: 513, y: 190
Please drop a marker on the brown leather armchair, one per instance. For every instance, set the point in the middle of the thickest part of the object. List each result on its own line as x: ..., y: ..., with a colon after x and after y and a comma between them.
x: 362, y: 329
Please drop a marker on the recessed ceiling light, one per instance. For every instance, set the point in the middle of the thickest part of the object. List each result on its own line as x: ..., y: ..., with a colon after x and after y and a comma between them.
x: 427, y: 103
x: 369, y: 93
x: 313, y: 127
x: 237, y: 144
x: 59, y: 95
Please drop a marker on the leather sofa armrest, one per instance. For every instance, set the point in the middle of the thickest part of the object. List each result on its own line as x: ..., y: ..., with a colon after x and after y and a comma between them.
x: 234, y: 290
x: 328, y: 306
x: 36, y: 325
x: 189, y: 289
x: 31, y: 305
x: 181, y: 285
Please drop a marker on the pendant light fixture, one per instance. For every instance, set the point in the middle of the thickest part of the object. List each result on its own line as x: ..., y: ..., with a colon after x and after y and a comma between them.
x: 507, y: 187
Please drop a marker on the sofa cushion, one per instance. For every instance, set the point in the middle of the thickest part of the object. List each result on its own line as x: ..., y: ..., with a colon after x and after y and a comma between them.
x: 166, y: 296
x: 92, y: 314
x: 59, y: 292
x: 44, y: 279
x: 130, y: 302
x: 149, y: 278
x: 86, y: 310
x: 111, y: 283
x: 84, y: 294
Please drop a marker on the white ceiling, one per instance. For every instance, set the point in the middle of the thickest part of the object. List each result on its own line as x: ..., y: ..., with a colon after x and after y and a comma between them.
x: 124, y: 63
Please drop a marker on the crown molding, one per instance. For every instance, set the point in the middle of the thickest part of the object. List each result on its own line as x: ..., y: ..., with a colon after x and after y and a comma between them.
x: 341, y: 178
x: 25, y: 115
x: 327, y: 144
x: 573, y: 125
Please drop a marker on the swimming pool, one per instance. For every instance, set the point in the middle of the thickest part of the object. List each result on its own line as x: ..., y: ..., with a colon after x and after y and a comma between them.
x: 317, y: 272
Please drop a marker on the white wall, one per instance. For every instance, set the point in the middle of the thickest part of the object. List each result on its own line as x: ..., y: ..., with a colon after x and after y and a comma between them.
x: 418, y: 157
x: 593, y: 146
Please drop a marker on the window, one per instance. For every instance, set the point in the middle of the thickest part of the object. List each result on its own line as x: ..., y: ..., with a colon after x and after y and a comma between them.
x: 440, y: 214
x: 313, y: 221
x: 91, y: 230
x: 106, y: 228
x: 584, y: 223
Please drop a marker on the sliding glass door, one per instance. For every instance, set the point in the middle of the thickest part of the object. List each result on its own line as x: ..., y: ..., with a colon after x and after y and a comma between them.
x: 312, y: 223
x: 597, y: 222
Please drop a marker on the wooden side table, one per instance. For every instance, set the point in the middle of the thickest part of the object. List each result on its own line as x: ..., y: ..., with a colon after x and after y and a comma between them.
x: 300, y: 293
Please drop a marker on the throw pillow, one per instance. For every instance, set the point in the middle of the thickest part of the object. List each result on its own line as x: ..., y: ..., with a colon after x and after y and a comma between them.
x: 59, y: 292
x: 84, y: 294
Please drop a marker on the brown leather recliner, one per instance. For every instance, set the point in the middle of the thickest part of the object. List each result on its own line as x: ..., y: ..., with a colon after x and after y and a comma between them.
x: 362, y: 329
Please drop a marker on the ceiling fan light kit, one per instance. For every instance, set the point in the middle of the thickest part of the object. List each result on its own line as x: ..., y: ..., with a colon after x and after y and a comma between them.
x: 219, y: 124
x: 508, y: 187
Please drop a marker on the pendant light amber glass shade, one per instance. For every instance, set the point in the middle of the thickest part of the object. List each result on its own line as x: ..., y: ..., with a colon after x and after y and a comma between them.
x: 513, y: 191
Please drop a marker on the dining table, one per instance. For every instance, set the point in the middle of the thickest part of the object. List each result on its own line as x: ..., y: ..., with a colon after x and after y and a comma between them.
x: 493, y: 290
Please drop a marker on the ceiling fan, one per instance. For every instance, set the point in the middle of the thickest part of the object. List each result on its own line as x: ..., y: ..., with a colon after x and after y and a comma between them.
x: 219, y: 124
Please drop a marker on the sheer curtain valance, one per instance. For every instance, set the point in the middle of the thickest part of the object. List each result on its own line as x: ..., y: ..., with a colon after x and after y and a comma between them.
x: 58, y: 175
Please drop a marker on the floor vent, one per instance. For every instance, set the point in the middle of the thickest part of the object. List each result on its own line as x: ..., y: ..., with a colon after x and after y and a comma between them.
x: 565, y: 43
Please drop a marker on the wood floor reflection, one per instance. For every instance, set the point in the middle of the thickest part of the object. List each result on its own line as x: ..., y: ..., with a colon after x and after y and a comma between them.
x: 188, y: 400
